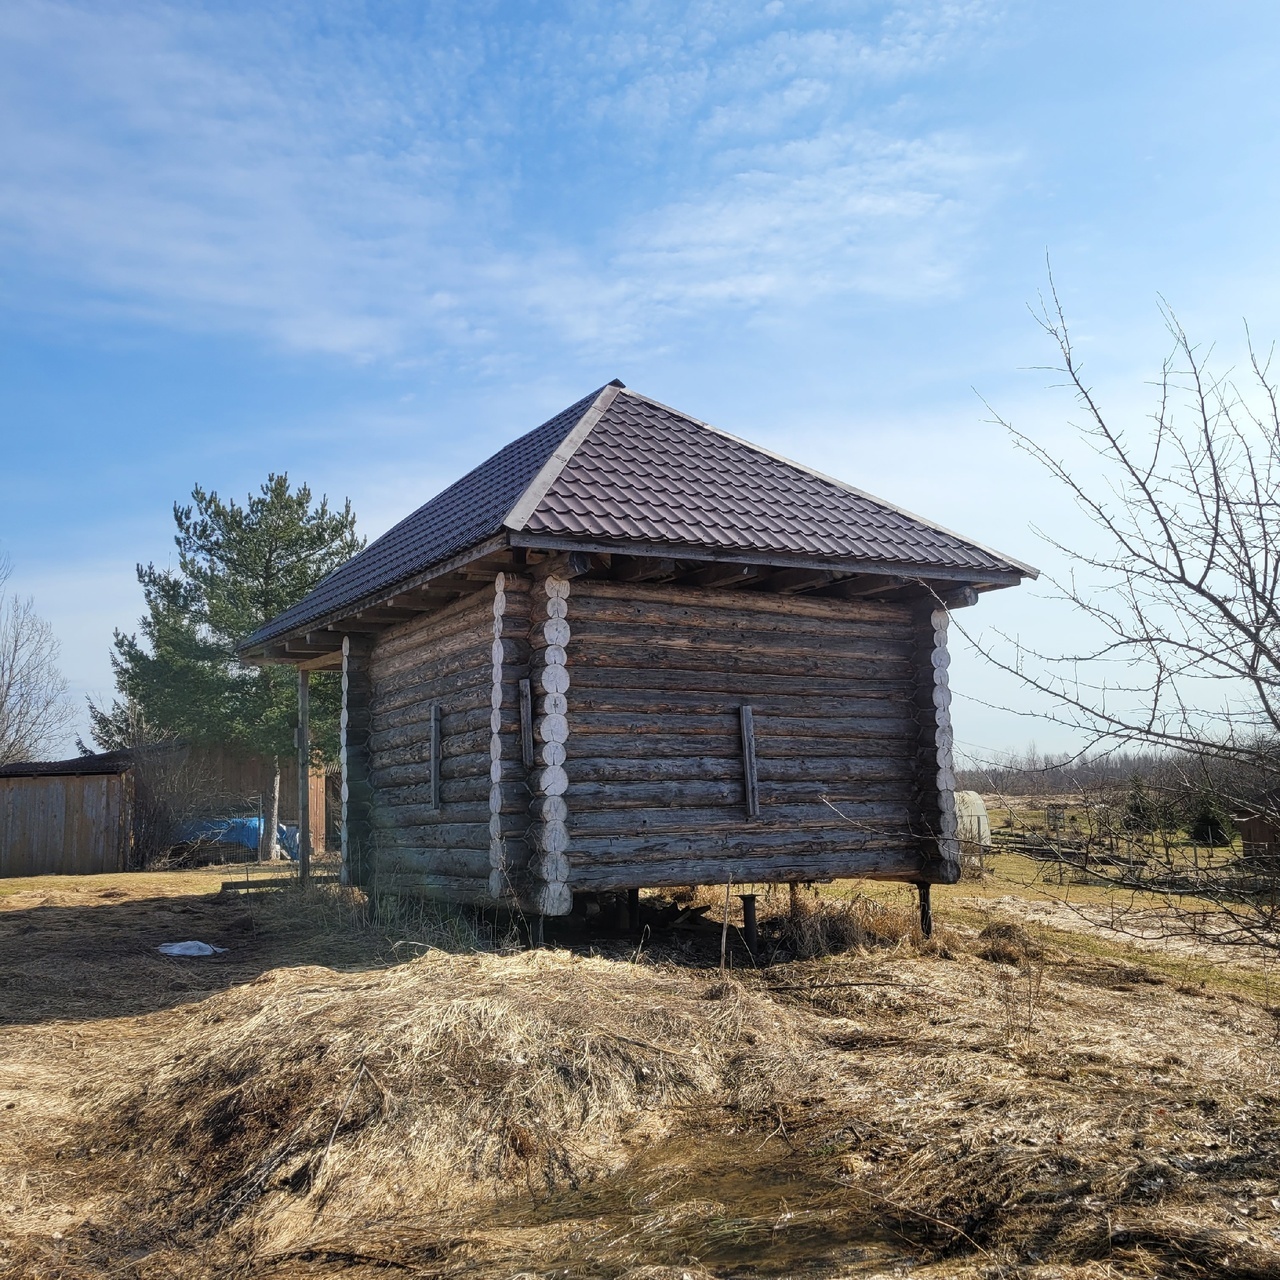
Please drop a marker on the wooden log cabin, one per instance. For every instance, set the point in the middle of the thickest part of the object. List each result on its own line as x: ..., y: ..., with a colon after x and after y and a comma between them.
x: 630, y: 650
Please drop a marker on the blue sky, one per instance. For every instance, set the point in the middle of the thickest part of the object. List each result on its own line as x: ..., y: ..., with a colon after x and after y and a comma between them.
x: 369, y: 243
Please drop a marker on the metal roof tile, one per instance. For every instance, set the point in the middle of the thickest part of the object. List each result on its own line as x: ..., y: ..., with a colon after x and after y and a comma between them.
x: 641, y: 472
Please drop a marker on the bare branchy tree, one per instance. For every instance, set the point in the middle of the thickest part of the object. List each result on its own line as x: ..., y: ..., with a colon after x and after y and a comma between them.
x: 34, y: 710
x: 1182, y: 596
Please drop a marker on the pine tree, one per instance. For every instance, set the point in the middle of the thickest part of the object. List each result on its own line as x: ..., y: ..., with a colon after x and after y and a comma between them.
x: 238, y: 567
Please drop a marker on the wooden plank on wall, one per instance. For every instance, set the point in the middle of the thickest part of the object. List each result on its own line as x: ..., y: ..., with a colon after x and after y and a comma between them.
x: 749, y: 773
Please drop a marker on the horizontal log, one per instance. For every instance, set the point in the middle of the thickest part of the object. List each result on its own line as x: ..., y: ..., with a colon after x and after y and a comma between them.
x: 614, y: 746
x: 591, y: 614
x: 436, y: 675
x: 738, y: 662
x: 415, y: 749
x: 747, y: 842
x: 878, y: 801
x: 459, y: 889
x: 748, y: 686
x: 462, y: 737
x: 895, y: 723
x: 584, y: 796
x: 385, y: 666
x: 657, y: 700
x: 463, y: 792
x: 863, y: 864
x: 695, y: 598
x: 830, y: 772
x: 407, y: 857
x: 389, y: 816
x: 782, y: 647
x: 392, y: 779
x: 454, y: 689
x: 458, y: 716
x: 458, y: 615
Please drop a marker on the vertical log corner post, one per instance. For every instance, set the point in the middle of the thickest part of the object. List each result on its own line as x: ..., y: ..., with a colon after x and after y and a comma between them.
x: 304, y: 776
x: 548, y: 782
x: 357, y: 793
x: 935, y: 775
x: 498, y: 875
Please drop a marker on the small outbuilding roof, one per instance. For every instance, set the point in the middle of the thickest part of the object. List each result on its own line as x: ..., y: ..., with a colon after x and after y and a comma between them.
x: 103, y: 762
x: 620, y: 472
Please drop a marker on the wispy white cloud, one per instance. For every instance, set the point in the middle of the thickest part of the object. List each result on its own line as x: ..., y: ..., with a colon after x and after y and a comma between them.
x: 339, y: 188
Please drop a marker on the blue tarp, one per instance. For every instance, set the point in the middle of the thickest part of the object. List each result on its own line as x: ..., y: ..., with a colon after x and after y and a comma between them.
x: 241, y: 831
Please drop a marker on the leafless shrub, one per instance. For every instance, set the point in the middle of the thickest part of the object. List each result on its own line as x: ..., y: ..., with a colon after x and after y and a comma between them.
x: 1183, y: 597
x: 34, y: 710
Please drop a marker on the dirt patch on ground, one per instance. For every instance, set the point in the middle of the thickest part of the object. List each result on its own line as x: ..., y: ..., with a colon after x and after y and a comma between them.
x: 297, y: 1112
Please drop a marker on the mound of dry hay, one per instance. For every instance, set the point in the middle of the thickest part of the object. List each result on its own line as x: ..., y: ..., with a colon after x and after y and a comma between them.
x: 408, y: 1087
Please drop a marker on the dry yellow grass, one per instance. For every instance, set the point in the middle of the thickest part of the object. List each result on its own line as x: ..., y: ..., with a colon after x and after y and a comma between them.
x: 1044, y: 1111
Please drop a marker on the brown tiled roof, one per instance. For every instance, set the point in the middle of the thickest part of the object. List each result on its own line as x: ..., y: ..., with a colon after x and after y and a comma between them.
x: 648, y: 473
x: 617, y: 467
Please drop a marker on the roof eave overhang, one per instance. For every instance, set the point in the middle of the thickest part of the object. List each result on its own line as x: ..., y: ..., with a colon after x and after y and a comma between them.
x: 273, y: 649
x: 987, y: 579
x: 267, y: 649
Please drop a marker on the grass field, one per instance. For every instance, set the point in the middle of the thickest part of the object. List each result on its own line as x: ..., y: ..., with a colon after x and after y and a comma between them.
x: 1023, y: 1095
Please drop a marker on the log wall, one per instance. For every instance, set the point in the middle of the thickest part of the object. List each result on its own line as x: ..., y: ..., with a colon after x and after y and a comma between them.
x: 654, y: 755
x: 460, y: 835
x: 591, y: 735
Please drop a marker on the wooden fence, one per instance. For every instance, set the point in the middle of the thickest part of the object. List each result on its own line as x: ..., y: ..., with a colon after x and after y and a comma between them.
x: 78, y: 824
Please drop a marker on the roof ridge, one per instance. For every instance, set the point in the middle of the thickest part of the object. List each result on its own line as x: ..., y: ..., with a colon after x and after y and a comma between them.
x: 549, y: 472
x: 1029, y: 570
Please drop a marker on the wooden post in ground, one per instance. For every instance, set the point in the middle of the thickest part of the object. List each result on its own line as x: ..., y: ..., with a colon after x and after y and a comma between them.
x: 304, y: 776
x: 926, y: 910
x: 750, y: 933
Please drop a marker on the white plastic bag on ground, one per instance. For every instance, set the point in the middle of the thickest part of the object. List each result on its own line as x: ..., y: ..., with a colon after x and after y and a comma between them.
x: 189, y: 949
